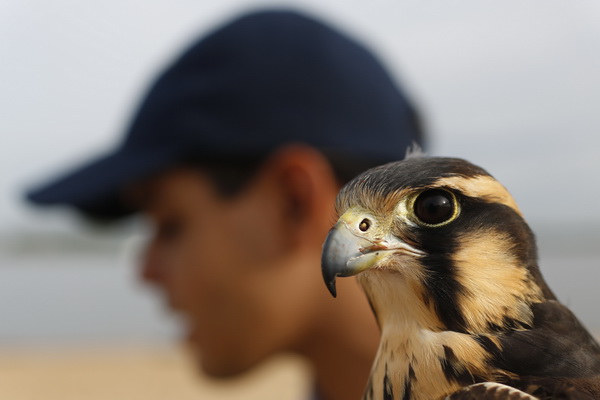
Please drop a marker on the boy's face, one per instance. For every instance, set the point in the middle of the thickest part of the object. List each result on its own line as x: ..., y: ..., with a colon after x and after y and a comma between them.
x: 230, y: 268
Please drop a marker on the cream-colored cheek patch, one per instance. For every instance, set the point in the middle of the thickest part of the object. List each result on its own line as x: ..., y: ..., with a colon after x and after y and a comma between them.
x: 497, y: 286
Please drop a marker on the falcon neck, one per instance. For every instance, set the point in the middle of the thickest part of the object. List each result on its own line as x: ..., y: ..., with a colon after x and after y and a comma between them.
x: 416, y: 358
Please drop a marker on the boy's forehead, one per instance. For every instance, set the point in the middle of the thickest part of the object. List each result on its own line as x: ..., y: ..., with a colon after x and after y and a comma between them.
x: 152, y: 191
x: 168, y: 188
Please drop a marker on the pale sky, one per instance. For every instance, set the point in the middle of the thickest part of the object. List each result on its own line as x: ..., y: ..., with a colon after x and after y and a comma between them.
x: 511, y: 85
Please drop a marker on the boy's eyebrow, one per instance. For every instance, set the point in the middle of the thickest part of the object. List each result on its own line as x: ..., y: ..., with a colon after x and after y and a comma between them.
x: 141, y: 195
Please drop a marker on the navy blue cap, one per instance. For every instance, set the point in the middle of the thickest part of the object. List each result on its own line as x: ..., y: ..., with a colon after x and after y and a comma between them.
x: 264, y: 80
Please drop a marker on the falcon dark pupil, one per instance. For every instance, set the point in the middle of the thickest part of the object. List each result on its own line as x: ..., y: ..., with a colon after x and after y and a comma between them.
x: 364, y: 225
x: 434, y: 207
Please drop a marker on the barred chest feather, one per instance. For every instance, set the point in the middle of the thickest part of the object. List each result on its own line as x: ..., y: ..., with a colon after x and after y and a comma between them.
x: 417, y: 358
x: 425, y: 365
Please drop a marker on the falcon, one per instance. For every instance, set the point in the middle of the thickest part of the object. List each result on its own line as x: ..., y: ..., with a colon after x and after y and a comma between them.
x: 449, y: 266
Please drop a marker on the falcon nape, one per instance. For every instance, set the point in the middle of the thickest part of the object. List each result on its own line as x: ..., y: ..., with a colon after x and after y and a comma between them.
x: 449, y: 266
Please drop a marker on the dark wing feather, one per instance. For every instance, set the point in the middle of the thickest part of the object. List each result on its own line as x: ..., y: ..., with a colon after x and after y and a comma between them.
x: 556, y: 355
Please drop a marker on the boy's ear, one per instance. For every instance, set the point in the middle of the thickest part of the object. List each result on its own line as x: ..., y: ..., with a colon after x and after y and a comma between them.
x: 307, y: 186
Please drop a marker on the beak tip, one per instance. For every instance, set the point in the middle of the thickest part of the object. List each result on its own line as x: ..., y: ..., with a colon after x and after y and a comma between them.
x: 331, y: 288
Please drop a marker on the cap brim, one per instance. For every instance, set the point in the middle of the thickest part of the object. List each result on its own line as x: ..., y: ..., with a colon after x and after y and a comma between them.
x: 96, y: 187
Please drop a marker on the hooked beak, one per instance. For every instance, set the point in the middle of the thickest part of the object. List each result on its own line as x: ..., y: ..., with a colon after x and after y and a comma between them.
x: 346, y: 252
x: 341, y: 252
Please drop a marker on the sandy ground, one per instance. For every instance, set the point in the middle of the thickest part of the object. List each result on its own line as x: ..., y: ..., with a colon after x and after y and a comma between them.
x: 129, y: 374
x: 139, y: 373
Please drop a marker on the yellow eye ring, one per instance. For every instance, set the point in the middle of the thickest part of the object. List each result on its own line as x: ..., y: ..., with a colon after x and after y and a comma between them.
x: 433, y: 207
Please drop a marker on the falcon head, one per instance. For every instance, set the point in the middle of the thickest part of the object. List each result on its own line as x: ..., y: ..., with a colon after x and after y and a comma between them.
x: 436, y: 242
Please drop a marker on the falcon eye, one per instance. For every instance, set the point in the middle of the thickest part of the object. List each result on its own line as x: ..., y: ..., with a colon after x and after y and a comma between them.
x: 364, y: 225
x: 435, y: 207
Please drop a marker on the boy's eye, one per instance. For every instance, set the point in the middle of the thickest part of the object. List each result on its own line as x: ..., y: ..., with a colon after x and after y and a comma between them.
x: 169, y: 229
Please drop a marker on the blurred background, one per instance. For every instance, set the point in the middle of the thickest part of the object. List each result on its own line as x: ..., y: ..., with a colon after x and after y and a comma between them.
x: 512, y: 86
